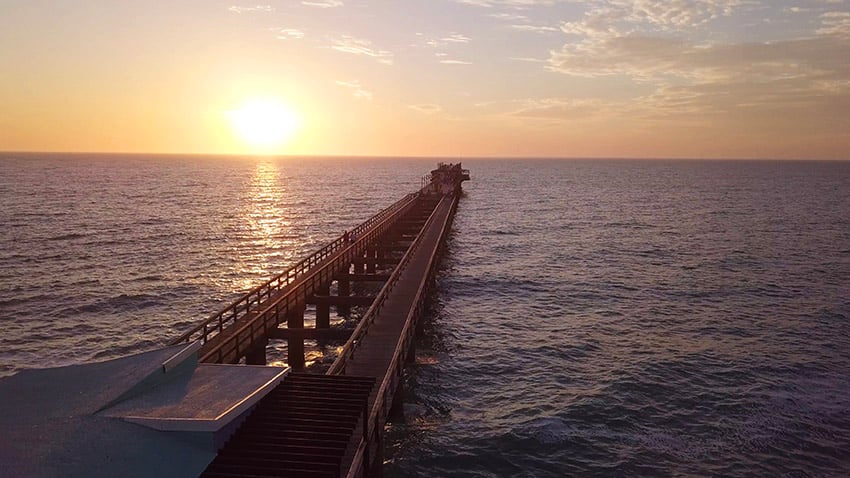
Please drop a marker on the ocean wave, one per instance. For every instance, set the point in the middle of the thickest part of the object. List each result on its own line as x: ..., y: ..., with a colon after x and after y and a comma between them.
x: 113, y: 305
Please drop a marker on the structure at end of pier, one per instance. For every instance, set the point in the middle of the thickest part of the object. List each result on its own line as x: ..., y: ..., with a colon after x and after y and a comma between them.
x: 446, y: 179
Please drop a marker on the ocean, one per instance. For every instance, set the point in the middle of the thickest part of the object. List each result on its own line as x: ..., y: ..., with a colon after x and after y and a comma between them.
x: 591, y: 317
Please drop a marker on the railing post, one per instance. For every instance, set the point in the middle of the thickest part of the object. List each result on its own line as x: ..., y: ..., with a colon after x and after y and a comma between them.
x: 323, y: 310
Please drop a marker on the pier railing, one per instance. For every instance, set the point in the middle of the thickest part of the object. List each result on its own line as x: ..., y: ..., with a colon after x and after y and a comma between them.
x: 252, y: 300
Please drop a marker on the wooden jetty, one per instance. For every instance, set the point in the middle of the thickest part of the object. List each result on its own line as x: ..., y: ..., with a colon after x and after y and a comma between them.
x: 330, y: 425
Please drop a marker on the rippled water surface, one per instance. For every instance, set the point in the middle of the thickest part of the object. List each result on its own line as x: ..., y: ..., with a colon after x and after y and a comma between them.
x: 592, y: 318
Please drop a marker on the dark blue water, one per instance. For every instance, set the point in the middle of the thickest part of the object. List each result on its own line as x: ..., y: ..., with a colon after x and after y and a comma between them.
x: 592, y: 318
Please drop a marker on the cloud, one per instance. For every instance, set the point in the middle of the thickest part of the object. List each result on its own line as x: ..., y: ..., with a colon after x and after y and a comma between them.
x: 534, y: 28
x: 323, y: 3
x: 796, y: 9
x: 522, y: 23
x: 357, y: 89
x: 358, y: 46
x: 835, y: 23
x: 793, y: 103
x: 645, y: 58
x: 755, y: 80
x: 445, y: 43
x: 289, y: 34
x: 528, y: 59
x: 255, y: 8
x: 680, y: 13
x: 658, y: 45
x: 427, y: 108
x: 457, y: 38
x: 562, y: 109
x: 508, y: 17
x: 621, y: 17
x: 787, y: 99
x: 442, y: 42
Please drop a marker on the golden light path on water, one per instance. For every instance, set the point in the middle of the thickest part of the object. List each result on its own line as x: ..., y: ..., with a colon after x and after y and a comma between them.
x: 266, y: 217
x: 274, y: 245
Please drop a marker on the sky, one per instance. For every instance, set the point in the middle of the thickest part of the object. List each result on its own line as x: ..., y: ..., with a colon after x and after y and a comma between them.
x: 507, y: 78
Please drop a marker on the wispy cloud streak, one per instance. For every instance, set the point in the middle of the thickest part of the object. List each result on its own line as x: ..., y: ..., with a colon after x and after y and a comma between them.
x: 359, y: 46
x: 356, y: 89
x: 249, y: 9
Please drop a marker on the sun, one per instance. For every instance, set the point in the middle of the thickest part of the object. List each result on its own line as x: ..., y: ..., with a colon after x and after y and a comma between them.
x: 263, y: 123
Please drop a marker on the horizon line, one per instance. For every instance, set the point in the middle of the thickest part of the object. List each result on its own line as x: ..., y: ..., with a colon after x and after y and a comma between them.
x: 423, y: 157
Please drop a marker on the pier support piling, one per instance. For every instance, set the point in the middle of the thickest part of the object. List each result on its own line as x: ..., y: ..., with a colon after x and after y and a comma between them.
x: 411, y: 352
x: 396, y: 412
x: 295, y: 345
x: 323, y: 309
x: 257, y: 355
x: 360, y: 264
x: 370, y: 262
x: 343, y: 290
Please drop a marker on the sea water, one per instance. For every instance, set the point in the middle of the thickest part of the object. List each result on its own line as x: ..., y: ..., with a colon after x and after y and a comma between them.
x: 591, y: 317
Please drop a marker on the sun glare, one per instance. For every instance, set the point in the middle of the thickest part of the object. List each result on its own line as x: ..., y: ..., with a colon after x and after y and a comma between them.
x: 263, y: 123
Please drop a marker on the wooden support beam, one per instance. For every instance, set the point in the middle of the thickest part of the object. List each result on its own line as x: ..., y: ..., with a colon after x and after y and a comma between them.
x: 334, y: 333
x: 344, y: 290
x: 396, y: 412
x: 295, y: 346
x: 349, y: 300
x: 371, y: 255
x: 257, y: 355
x: 323, y: 310
x: 359, y: 264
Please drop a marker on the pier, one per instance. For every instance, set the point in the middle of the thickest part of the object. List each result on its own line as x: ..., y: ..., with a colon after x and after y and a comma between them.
x: 209, y: 405
x: 330, y: 425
